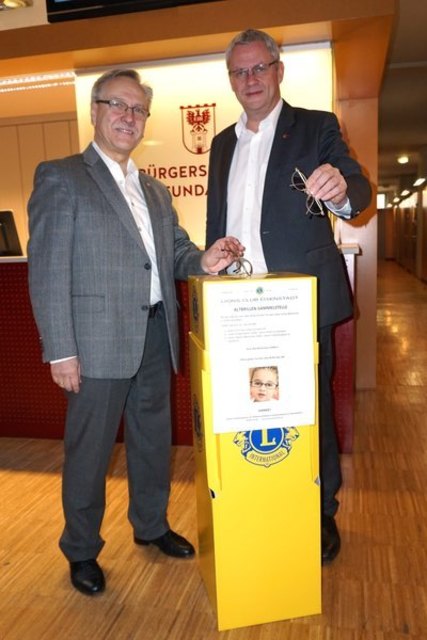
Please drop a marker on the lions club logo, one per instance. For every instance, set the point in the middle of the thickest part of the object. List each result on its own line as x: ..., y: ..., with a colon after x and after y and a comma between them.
x: 266, y: 447
x: 198, y: 127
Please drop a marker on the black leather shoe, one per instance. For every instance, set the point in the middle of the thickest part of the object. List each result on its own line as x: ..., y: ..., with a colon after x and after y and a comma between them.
x: 170, y: 543
x: 87, y: 577
x: 331, y: 542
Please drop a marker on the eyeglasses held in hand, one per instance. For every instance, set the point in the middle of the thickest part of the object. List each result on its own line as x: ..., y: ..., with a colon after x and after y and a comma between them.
x: 258, y: 70
x: 268, y: 385
x: 314, y: 206
x: 120, y: 108
x: 243, y: 267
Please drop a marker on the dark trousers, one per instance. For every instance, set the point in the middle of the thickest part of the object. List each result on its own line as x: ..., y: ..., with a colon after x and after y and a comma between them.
x: 330, y: 469
x: 93, y: 419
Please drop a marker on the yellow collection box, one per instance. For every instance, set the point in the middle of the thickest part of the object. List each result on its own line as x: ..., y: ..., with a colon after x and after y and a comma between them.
x: 254, y: 355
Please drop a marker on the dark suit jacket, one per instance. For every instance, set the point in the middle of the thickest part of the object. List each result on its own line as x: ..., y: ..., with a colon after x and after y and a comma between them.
x: 291, y: 240
x: 89, y: 273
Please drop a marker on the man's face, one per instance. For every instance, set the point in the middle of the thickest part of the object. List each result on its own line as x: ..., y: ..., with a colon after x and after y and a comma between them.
x: 118, y: 134
x: 258, y: 95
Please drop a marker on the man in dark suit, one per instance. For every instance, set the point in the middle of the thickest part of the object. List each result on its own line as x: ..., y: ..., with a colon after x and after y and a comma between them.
x: 256, y: 191
x: 105, y: 248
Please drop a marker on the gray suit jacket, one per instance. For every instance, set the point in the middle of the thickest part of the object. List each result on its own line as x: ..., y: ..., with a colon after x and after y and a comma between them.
x: 89, y: 272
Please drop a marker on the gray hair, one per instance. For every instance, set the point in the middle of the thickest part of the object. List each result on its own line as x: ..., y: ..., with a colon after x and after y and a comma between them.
x: 120, y: 73
x: 253, y: 35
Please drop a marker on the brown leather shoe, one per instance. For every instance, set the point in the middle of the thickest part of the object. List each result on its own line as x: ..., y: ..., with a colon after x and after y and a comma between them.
x: 87, y: 577
x: 170, y: 543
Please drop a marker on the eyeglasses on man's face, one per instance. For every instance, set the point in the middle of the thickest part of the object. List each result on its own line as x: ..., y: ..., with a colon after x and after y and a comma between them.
x: 258, y: 70
x: 314, y: 206
x: 120, y: 108
x: 268, y: 385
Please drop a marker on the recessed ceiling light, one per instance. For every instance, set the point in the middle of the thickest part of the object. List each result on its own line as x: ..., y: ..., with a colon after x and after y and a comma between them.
x: 15, y: 4
x: 419, y: 181
x: 403, y: 159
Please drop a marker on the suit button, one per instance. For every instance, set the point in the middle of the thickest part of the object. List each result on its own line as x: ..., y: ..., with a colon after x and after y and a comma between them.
x: 147, y: 266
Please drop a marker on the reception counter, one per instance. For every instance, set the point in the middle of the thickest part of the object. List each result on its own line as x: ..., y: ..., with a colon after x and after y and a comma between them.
x: 32, y: 406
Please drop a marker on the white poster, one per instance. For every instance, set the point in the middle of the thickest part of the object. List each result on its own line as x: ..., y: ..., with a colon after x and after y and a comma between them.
x: 261, y: 346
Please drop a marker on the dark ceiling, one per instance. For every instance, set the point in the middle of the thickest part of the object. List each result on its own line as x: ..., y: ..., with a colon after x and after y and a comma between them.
x: 403, y: 101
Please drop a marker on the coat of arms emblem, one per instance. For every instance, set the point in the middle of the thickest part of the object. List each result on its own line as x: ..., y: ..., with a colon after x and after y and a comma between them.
x: 198, y: 127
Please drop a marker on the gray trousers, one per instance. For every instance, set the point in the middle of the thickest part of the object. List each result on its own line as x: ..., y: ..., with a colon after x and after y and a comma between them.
x: 93, y: 419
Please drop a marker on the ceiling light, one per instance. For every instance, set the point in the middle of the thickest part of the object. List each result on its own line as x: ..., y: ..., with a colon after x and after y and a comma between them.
x: 396, y: 199
x: 405, y: 193
x: 42, y: 77
x: 15, y: 4
x: 403, y: 159
x: 41, y: 81
x: 419, y: 181
x: 37, y: 87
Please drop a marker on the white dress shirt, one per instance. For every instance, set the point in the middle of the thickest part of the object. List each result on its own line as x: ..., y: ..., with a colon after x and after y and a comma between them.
x: 246, y: 185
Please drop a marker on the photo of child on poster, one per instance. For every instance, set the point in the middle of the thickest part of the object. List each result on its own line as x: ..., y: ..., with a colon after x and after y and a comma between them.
x: 264, y: 383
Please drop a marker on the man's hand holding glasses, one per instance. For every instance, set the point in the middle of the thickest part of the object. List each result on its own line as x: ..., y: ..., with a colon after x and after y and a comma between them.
x: 313, y: 206
x: 325, y: 185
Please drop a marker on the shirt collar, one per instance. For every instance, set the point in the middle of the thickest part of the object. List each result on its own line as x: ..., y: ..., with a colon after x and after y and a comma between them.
x: 269, y: 121
x: 112, y: 164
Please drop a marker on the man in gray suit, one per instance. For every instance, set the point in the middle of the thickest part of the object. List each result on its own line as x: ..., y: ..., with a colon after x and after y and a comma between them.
x: 104, y: 252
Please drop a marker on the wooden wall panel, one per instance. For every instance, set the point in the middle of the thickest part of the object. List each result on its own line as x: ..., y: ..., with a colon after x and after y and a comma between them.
x: 359, y: 119
x: 10, y: 178
x: 57, y: 140
x: 74, y: 136
x: 27, y: 144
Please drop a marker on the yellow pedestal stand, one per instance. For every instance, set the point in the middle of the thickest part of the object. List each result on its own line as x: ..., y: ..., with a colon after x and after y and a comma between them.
x: 257, y: 482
